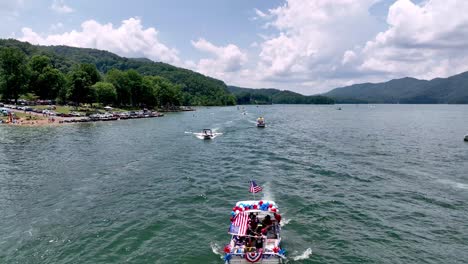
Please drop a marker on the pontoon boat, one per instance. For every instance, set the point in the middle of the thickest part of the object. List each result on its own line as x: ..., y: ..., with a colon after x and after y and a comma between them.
x: 255, y: 234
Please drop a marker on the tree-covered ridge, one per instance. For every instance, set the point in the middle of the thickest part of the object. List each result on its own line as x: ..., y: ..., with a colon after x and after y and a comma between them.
x: 37, y: 78
x: 275, y: 96
x: 451, y: 90
x: 196, y: 89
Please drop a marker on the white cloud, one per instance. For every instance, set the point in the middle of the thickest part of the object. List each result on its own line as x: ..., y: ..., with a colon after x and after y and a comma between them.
x: 311, y: 40
x: 130, y: 39
x: 426, y: 41
x: 225, y: 62
x: 59, y: 6
x: 260, y: 13
x: 348, y: 57
x: 322, y: 44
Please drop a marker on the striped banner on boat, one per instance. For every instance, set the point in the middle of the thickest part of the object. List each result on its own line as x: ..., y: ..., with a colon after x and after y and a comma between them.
x: 239, y: 225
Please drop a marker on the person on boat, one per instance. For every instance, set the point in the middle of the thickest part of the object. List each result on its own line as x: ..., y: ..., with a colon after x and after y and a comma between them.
x: 259, y: 230
x: 259, y: 243
x: 252, y: 230
x: 277, y: 217
x: 253, y: 220
x: 267, y: 221
x: 249, y: 244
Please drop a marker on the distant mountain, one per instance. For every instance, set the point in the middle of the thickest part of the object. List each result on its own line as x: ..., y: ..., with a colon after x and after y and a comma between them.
x: 275, y: 96
x: 451, y: 90
x: 202, y: 90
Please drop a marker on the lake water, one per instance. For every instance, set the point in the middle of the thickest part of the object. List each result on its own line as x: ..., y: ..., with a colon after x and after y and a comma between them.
x: 368, y: 184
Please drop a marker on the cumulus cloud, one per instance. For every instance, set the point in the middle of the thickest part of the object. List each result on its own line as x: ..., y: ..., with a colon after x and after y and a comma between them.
x: 224, y: 60
x: 426, y: 41
x: 59, y: 6
x: 322, y: 44
x: 312, y: 38
x: 130, y: 39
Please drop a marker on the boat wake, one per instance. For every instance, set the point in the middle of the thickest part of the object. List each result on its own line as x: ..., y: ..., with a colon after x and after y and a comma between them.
x: 305, y: 255
x: 284, y: 222
x: 216, y: 249
x: 200, y: 135
x: 454, y: 184
x: 267, y: 194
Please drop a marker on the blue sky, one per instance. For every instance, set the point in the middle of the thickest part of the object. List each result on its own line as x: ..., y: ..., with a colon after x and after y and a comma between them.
x: 309, y: 46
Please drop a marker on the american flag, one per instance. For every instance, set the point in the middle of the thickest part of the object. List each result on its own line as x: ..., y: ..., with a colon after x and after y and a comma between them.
x: 254, y: 188
x: 239, y: 225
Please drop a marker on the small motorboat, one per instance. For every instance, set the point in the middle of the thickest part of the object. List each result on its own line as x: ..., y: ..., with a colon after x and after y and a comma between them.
x: 466, y: 138
x: 207, y: 133
x: 261, y: 122
x: 255, y: 234
x: 339, y: 108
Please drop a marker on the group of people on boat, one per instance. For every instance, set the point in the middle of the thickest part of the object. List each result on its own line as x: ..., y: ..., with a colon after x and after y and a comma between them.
x: 258, y: 230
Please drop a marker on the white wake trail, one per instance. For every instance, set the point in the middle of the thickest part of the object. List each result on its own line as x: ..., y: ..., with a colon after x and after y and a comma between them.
x: 305, y: 255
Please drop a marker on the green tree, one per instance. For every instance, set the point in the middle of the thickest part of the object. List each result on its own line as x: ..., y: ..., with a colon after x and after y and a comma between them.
x: 105, y: 93
x: 167, y: 94
x: 81, y: 79
x: 45, y: 81
x: 121, y: 83
x: 13, y: 73
x: 92, y: 72
x: 79, y: 83
x: 148, y: 88
x: 135, y: 84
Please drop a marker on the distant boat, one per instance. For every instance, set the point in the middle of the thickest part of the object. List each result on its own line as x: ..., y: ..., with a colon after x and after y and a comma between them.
x: 466, y: 138
x: 261, y: 122
x: 207, y: 133
x: 339, y: 108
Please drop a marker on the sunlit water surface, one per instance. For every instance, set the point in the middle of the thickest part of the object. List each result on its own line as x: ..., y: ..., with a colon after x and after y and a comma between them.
x: 367, y: 184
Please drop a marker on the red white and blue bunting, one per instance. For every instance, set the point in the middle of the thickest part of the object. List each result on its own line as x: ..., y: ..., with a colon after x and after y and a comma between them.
x: 253, y: 257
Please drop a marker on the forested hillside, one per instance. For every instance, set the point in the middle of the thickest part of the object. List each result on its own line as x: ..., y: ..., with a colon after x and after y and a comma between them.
x: 275, y: 96
x: 451, y: 90
x: 194, y: 88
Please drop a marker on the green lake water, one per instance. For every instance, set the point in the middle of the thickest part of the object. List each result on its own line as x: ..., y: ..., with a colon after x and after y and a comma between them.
x: 368, y: 184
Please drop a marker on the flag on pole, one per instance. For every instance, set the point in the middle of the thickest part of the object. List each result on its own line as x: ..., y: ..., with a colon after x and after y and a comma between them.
x: 239, y: 225
x: 254, y: 188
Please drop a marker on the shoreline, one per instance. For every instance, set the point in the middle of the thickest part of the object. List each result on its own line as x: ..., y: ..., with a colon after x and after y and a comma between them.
x: 34, y: 119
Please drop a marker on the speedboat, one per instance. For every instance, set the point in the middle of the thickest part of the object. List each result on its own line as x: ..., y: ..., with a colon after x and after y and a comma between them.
x: 255, y: 234
x: 261, y: 122
x: 466, y: 137
x: 207, y: 133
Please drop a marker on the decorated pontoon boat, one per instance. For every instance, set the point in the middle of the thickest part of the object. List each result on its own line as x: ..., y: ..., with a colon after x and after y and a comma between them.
x: 255, y: 234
